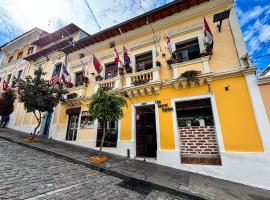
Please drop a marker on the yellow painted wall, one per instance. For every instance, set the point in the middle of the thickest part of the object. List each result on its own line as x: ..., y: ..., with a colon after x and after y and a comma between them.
x: 238, y: 125
x: 236, y: 116
x: 265, y: 92
x: 19, y: 114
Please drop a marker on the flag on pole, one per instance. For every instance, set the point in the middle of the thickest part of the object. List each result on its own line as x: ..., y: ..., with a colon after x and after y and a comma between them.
x: 55, y: 78
x: 168, y: 41
x: 84, y: 70
x: 116, y: 57
x: 208, y: 35
x: 65, y: 77
x: 126, y: 60
x: 97, y: 64
x: 14, y: 82
x: 5, y: 86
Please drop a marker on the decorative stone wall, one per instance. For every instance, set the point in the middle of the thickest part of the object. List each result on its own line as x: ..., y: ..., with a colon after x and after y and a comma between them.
x: 199, y: 145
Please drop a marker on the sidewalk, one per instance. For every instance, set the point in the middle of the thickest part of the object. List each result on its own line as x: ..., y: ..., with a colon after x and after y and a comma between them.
x: 192, y: 185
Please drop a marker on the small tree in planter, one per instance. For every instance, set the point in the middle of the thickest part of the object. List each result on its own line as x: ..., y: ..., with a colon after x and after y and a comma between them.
x: 105, y: 106
x: 7, y: 100
x: 39, y: 96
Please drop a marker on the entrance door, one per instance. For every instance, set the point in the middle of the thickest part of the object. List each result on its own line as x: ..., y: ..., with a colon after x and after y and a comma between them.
x: 72, y: 127
x: 146, y: 137
x: 47, y: 124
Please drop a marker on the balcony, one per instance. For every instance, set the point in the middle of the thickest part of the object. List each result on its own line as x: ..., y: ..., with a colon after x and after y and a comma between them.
x: 73, y: 98
x: 108, y: 84
x: 200, y: 64
x: 142, y: 83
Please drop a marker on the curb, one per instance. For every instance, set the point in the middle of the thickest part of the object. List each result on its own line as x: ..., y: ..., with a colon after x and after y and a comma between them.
x: 110, y: 172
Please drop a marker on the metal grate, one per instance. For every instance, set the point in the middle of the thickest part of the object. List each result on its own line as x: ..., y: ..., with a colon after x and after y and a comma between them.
x: 136, y: 186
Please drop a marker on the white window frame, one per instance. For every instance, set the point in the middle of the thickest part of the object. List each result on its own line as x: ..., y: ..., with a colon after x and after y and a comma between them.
x: 133, y: 124
x: 73, y: 79
x: 142, y: 51
x: 188, y: 37
x: 17, y: 72
x: 215, y: 116
x: 9, y: 79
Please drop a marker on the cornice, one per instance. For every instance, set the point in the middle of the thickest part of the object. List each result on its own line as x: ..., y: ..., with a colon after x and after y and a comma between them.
x: 198, y: 10
x: 264, y: 80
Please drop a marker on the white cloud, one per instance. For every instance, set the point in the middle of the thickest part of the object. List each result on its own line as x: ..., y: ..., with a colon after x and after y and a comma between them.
x: 27, y: 14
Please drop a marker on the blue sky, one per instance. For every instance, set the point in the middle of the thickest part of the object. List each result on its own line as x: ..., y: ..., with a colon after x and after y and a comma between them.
x: 18, y: 16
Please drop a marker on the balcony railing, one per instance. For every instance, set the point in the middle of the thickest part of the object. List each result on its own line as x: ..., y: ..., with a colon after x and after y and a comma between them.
x: 142, y: 77
x: 200, y: 64
x: 129, y: 80
x: 79, y: 90
x: 108, y: 84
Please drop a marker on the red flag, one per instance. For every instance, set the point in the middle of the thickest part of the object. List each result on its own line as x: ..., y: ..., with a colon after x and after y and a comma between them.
x: 208, y: 34
x: 97, y: 64
x: 5, y: 85
x: 116, y: 56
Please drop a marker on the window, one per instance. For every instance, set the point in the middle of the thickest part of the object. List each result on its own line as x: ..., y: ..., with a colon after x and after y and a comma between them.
x: 187, y: 50
x: 10, y: 59
x: 78, y: 79
x: 87, y: 121
x: 30, y: 50
x: 8, y: 78
x: 194, y: 113
x: 111, y: 70
x: 19, y: 74
x: 58, y: 68
x: 0, y: 79
x: 19, y: 55
x: 144, y: 61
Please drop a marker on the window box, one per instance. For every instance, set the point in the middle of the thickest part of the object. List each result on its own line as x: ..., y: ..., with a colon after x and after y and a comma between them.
x: 69, y: 85
x: 72, y: 96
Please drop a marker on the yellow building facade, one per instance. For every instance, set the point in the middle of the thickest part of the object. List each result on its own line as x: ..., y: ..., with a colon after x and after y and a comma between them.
x: 212, y: 124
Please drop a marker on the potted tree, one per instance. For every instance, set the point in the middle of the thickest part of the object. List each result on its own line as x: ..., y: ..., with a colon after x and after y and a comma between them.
x: 105, y: 106
x: 39, y: 96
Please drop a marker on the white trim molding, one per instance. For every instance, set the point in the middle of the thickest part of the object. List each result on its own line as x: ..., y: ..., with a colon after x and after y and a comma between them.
x: 259, y: 110
x: 215, y: 116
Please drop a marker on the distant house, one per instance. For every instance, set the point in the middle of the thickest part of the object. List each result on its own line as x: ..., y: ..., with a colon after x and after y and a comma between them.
x: 264, y: 85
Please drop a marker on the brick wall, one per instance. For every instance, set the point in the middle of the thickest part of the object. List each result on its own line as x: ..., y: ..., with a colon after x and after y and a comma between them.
x: 199, y: 145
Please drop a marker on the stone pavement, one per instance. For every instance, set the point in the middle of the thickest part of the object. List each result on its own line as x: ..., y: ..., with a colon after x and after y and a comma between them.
x: 29, y: 174
x: 163, y: 178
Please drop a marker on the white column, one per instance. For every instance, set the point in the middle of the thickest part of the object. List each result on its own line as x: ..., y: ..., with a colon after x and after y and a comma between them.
x: 128, y: 81
x: 118, y: 84
x: 259, y: 110
x: 237, y: 35
x: 156, y: 75
x: 206, y: 68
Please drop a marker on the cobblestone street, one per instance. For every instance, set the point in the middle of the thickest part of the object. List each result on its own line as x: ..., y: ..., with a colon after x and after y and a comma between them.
x: 29, y: 174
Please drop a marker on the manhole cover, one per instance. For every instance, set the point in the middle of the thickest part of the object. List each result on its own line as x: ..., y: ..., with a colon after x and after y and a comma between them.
x: 136, y: 186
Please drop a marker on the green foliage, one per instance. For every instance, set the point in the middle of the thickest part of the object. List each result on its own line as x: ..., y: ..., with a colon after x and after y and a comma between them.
x: 7, y: 100
x: 191, y: 75
x: 107, y: 106
x: 38, y: 94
